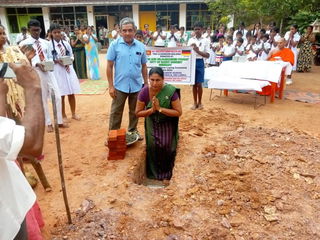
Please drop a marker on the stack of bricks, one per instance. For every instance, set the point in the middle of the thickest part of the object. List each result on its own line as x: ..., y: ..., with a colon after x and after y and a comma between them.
x: 117, y: 144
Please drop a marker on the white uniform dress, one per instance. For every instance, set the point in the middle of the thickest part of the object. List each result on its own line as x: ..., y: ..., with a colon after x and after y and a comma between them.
x: 48, y: 81
x: 67, y: 80
x: 212, y: 58
x: 241, y: 49
x: 172, y: 42
x: 263, y: 55
x: 296, y: 38
x: 159, y: 42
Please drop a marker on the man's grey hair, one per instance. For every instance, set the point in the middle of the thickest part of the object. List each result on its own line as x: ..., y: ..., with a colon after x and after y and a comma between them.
x: 127, y: 20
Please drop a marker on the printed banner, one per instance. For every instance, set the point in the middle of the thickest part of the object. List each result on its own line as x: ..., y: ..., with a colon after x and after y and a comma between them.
x: 178, y: 63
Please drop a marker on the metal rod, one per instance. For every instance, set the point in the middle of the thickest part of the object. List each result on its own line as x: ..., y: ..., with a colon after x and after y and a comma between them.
x: 56, y: 130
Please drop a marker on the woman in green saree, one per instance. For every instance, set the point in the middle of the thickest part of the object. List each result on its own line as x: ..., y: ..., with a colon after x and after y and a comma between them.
x: 160, y: 104
x: 79, y: 53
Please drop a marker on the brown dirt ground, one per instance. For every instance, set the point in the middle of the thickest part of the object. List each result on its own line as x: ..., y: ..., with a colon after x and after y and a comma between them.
x: 240, y: 173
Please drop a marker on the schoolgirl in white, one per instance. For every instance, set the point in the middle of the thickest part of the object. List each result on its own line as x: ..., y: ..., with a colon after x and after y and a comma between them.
x: 67, y: 79
x: 159, y: 37
x: 293, y: 37
x: 265, y: 49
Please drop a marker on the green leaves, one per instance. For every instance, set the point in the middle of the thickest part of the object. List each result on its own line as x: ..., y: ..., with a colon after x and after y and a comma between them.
x: 251, y: 11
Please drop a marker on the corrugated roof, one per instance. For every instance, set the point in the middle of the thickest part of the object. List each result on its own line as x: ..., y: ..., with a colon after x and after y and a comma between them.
x: 49, y: 3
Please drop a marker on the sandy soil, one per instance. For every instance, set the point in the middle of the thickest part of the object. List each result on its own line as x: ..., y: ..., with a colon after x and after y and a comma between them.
x: 240, y: 174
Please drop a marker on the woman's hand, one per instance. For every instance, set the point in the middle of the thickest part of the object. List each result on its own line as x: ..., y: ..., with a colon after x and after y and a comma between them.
x: 155, y: 103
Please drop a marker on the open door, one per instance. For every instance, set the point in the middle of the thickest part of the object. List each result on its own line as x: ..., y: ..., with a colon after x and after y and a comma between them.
x: 148, y: 18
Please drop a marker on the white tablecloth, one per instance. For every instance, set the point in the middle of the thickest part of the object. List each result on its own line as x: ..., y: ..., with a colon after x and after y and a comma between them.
x: 244, y: 75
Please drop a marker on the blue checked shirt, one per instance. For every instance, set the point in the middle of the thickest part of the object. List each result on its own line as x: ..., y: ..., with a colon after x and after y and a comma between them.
x: 128, y: 60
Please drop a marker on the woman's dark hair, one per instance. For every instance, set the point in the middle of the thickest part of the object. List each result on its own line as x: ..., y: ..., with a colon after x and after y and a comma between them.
x: 221, y: 36
x: 239, y: 33
x: 310, y: 26
x: 34, y: 23
x: 295, y: 26
x: 276, y: 29
x: 263, y: 31
x: 54, y: 26
x: 240, y: 39
x: 157, y: 70
x: 139, y: 32
x: 273, y: 24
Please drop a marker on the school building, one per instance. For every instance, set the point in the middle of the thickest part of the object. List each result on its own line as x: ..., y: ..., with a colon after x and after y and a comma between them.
x: 16, y: 13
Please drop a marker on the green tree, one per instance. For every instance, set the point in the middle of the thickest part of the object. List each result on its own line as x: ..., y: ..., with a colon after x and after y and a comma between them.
x: 252, y: 11
x: 304, y: 18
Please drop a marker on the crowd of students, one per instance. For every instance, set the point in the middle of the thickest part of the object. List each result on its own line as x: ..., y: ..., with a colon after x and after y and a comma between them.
x: 251, y: 45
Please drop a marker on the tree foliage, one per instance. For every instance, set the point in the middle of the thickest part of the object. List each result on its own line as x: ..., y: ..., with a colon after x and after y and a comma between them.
x: 251, y: 11
x: 304, y: 18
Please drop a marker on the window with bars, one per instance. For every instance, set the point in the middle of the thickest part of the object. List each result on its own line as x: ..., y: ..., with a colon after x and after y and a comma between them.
x: 18, y: 17
x: 198, y: 12
x: 117, y: 11
x: 69, y: 16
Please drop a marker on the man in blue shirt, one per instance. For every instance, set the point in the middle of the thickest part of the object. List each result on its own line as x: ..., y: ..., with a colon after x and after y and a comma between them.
x: 127, y: 57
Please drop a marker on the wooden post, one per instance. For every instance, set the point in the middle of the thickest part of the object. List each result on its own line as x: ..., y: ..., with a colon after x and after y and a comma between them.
x: 56, y: 129
x: 43, y: 179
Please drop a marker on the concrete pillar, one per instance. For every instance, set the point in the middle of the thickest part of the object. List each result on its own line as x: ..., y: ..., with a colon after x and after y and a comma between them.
x: 183, y: 15
x: 91, y: 21
x: 3, y: 19
x: 231, y: 23
x: 135, y: 14
x: 46, y: 18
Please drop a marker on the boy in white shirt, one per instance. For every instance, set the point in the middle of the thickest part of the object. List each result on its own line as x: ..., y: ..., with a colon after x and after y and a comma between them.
x: 228, y: 50
x: 239, y: 48
x: 202, y: 47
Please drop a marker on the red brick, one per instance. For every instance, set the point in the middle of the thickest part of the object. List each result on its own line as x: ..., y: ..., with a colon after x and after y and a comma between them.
x: 121, y: 132
x: 112, y: 135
